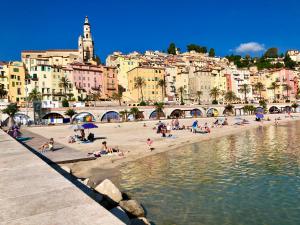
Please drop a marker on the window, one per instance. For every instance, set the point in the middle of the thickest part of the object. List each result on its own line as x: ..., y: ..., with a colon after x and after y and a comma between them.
x: 88, y: 84
x: 45, y: 76
x: 43, y: 68
x: 13, y: 84
x: 16, y: 70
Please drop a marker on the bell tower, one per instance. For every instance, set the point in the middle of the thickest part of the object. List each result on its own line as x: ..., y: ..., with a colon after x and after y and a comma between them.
x: 86, y: 43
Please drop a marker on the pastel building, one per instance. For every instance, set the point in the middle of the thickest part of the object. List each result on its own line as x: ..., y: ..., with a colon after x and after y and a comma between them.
x: 151, y: 91
x: 4, y: 80
x: 16, y: 82
x: 87, y: 77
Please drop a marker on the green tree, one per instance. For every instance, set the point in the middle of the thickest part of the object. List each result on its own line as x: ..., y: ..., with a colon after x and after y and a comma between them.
x: 65, y: 84
x: 288, y: 62
x: 35, y: 95
x: 196, y: 48
x: 259, y: 87
x: 274, y: 87
x: 135, y: 112
x: 199, y: 94
x: 162, y: 84
x: 181, y: 90
x: 117, y: 97
x: 139, y: 83
x: 65, y: 103
x: 124, y: 114
x: 172, y: 49
x: 229, y: 109
x: 11, y: 111
x: 245, y: 89
x: 230, y: 96
x: 287, y: 88
x: 70, y: 113
x: 159, y: 106
x: 215, y: 92
x: 211, y: 52
x: 271, y: 53
x: 294, y: 106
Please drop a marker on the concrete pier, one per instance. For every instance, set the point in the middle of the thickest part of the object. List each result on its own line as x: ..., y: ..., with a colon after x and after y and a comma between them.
x: 32, y: 192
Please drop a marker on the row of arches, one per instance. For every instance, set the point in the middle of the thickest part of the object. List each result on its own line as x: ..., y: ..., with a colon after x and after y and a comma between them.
x: 110, y: 116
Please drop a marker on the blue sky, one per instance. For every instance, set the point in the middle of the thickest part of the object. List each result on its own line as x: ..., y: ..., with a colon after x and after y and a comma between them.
x: 128, y: 25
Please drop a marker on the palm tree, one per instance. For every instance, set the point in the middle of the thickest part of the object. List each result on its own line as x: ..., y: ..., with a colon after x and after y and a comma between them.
x: 215, y: 92
x: 64, y: 83
x: 35, y: 95
x: 162, y: 84
x: 259, y: 86
x: 70, y: 113
x: 134, y: 111
x: 117, y: 97
x: 139, y: 83
x: 159, y: 106
x: 181, y: 90
x: 11, y: 111
x: 124, y: 114
x: 199, y: 93
x: 230, y: 96
x: 287, y: 88
x: 274, y: 86
x: 245, y: 89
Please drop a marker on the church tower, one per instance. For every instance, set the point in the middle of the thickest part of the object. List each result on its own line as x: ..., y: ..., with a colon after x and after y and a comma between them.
x: 86, y: 43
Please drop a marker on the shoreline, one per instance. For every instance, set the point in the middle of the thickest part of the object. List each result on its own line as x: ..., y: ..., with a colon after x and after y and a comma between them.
x: 88, y: 169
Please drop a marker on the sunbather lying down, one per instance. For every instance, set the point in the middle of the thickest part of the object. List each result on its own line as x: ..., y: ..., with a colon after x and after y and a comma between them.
x: 106, y: 150
x: 48, y: 145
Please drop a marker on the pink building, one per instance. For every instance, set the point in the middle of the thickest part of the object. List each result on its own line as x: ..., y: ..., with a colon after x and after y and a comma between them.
x: 93, y: 78
x: 87, y: 77
x: 289, y: 78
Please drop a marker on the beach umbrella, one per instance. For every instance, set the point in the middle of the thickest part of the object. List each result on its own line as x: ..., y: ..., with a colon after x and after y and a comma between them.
x: 259, y: 115
x: 76, y: 127
x: 89, y: 126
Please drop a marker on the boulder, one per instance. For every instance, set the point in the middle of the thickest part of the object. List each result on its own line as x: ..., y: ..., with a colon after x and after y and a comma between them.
x: 86, y: 182
x: 110, y: 191
x: 119, y: 213
x: 67, y: 169
x: 132, y: 207
x: 140, y: 221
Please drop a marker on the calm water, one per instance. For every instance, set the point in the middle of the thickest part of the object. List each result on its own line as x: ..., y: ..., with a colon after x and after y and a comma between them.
x: 249, y: 178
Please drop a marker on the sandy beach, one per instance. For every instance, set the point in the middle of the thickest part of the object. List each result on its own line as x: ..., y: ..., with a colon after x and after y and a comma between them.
x: 131, y: 137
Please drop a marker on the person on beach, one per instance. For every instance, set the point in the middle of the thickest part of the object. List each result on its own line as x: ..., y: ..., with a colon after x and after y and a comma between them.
x: 276, y: 122
x: 149, y: 144
x: 105, y: 150
x: 48, y: 145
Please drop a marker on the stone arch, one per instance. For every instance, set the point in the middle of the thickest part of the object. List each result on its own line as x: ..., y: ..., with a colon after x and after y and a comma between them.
x: 153, y: 115
x: 84, y: 117
x: 196, y: 113
x: 176, y: 113
x: 274, y: 109
x: 110, y: 116
x: 53, y: 117
x: 212, y: 112
x: 22, y: 118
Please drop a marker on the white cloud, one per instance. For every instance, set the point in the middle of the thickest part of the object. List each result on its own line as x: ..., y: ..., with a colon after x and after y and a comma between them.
x: 249, y: 47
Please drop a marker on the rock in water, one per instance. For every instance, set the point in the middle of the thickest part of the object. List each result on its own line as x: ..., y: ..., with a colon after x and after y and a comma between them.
x: 140, y: 221
x: 108, y: 189
x: 119, y: 213
x: 133, y: 208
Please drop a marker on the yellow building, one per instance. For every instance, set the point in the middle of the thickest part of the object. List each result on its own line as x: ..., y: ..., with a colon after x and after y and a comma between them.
x: 151, y: 91
x: 123, y: 63
x: 218, y: 80
x: 16, y: 82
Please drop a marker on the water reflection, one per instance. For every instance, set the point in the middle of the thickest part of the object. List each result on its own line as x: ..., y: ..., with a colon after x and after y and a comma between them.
x: 248, y: 178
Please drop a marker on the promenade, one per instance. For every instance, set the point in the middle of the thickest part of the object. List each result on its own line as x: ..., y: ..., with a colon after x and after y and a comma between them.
x: 32, y: 192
